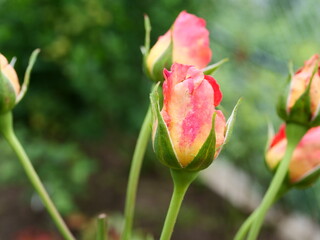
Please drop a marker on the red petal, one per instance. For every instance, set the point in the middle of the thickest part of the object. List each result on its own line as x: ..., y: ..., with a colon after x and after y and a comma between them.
x: 216, y: 89
x: 279, y: 136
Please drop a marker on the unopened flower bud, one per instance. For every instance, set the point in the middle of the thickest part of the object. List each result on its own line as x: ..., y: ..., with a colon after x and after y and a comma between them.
x: 189, y: 132
x: 305, y: 162
x: 186, y: 42
x: 9, y: 85
x: 302, y: 103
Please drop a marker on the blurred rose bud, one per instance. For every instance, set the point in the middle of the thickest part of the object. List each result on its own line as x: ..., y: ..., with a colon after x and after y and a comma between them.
x: 304, y: 167
x: 186, y: 42
x: 189, y: 132
x: 9, y: 85
x: 302, y: 103
x: 10, y: 91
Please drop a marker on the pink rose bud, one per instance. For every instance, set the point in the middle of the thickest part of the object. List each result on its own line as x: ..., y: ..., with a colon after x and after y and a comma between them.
x: 189, y: 131
x: 302, y: 104
x: 186, y: 42
x: 9, y: 85
x: 305, y: 163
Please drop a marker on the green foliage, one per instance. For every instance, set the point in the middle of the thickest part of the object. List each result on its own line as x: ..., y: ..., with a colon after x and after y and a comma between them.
x: 88, y: 80
x: 259, y: 38
x: 63, y: 168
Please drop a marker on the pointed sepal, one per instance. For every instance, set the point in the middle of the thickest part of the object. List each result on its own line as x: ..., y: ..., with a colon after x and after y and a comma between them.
x: 162, y: 144
x: 146, y: 48
x: 316, y: 121
x: 282, y: 100
x: 271, y: 134
x: 209, y: 70
x: 25, y: 85
x: 230, y: 122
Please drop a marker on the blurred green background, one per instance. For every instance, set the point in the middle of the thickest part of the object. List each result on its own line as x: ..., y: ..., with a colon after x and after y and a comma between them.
x: 88, y: 96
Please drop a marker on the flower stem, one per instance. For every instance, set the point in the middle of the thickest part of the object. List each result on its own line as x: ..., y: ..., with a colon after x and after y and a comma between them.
x: 7, y: 130
x: 102, y: 233
x: 294, y: 134
x: 134, y: 174
x: 182, y: 181
x: 245, y: 227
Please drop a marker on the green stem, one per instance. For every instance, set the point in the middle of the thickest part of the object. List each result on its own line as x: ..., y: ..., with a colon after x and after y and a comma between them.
x: 245, y: 227
x: 134, y: 174
x: 294, y: 134
x: 102, y: 227
x: 182, y: 180
x: 8, y: 132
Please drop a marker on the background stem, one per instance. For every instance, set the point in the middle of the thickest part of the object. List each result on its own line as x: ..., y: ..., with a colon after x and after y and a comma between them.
x: 294, y: 133
x: 243, y: 230
x: 245, y: 227
x: 102, y: 233
x: 7, y: 131
x: 134, y: 175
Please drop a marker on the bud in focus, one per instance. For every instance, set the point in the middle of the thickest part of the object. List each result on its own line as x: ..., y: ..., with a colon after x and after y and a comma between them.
x: 189, y: 132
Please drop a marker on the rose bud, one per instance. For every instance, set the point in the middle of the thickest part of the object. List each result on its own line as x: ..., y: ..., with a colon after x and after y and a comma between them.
x: 10, y: 86
x: 11, y: 93
x: 302, y: 104
x: 305, y: 162
x: 189, y: 132
x: 186, y: 42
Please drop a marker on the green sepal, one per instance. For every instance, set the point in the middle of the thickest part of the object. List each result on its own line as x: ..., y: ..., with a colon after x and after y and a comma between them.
x: 147, y: 27
x: 290, y: 68
x: 205, y: 156
x: 146, y: 48
x: 308, y: 179
x: 300, y: 113
x: 25, y: 85
x: 316, y: 121
x: 282, y: 100
x: 271, y: 134
x: 163, y: 61
x: 162, y: 144
x: 7, y: 94
x: 230, y: 122
x: 213, y: 67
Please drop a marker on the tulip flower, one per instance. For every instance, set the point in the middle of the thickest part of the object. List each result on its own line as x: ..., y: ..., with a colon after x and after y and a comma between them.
x: 305, y: 161
x: 186, y: 42
x: 10, y: 86
x: 302, y: 104
x: 189, y: 132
